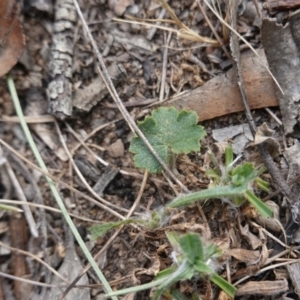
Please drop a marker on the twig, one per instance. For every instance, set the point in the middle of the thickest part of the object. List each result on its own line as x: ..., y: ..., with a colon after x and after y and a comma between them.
x: 21, y: 196
x: 120, y: 104
x: 45, y: 207
x: 234, y: 44
x: 164, y: 68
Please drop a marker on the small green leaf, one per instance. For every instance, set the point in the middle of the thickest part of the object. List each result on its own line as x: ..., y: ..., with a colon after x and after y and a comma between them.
x: 100, y: 229
x: 215, y: 192
x: 262, y: 208
x: 191, y: 247
x: 228, y: 156
x: 10, y: 208
x: 228, y: 288
x: 244, y: 172
x: 166, y: 130
x: 203, y: 268
x: 176, y: 295
x: 264, y: 185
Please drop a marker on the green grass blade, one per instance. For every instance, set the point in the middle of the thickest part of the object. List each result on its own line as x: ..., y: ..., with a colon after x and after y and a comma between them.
x: 16, y: 102
x: 262, y: 208
x: 223, y: 284
x: 211, y: 193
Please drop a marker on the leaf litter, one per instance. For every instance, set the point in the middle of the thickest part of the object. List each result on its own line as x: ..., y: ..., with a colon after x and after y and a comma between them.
x: 131, y: 249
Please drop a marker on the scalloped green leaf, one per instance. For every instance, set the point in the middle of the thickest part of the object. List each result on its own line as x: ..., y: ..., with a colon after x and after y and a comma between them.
x: 167, y: 130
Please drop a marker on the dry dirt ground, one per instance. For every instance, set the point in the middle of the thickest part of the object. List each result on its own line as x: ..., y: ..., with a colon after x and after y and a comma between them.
x: 135, y: 254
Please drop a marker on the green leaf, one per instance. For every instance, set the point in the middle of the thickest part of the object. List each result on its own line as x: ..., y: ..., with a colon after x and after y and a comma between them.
x: 228, y: 156
x: 216, y: 192
x: 176, y: 295
x: 228, y: 288
x: 262, y: 208
x: 264, y: 185
x: 191, y: 246
x: 243, y: 174
x: 166, y: 129
x: 203, y: 268
x: 100, y: 229
x: 210, y: 250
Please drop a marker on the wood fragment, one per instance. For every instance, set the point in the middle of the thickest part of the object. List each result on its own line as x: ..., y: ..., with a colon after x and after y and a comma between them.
x: 86, y: 98
x: 221, y: 96
x: 19, y: 239
x: 60, y: 68
x: 281, y: 43
x: 263, y: 288
x: 274, y: 6
x: 294, y: 273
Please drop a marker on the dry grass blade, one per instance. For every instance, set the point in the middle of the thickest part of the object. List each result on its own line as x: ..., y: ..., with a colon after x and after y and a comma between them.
x: 185, y: 32
x: 17, y: 202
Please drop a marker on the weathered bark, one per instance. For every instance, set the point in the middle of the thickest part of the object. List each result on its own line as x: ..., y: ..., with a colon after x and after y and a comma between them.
x: 281, y: 43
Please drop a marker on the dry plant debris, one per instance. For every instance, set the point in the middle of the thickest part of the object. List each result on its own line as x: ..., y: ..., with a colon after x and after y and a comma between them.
x: 12, y: 40
x: 150, y: 68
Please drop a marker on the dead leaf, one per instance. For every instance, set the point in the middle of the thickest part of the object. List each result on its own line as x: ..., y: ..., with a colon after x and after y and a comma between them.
x: 265, y: 135
x: 247, y: 256
x: 12, y: 40
x: 263, y: 288
x: 119, y: 6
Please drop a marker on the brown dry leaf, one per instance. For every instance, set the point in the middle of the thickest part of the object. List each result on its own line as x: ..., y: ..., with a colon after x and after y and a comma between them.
x: 12, y: 40
x: 119, y: 6
x: 265, y: 135
x: 272, y: 224
x: 265, y: 288
x: 247, y: 256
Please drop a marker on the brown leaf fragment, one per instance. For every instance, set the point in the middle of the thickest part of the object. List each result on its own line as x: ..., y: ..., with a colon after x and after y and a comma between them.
x: 264, y: 288
x: 294, y: 273
x: 272, y: 224
x: 281, y: 44
x: 221, y: 96
x: 247, y: 256
x: 119, y: 6
x: 84, y: 99
x: 274, y: 6
x: 265, y: 135
x: 12, y: 40
x: 19, y: 239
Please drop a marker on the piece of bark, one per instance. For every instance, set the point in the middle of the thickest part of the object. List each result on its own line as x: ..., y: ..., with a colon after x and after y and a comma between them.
x: 84, y: 99
x: 281, y: 43
x: 221, y: 96
x: 274, y: 6
x: 60, y: 68
x: 19, y: 239
x: 12, y: 40
x: 294, y: 273
x: 263, y: 288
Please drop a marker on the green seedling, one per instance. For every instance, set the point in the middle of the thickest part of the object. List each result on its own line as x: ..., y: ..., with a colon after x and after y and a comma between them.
x: 228, y: 182
x: 170, y: 132
x: 191, y: 258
